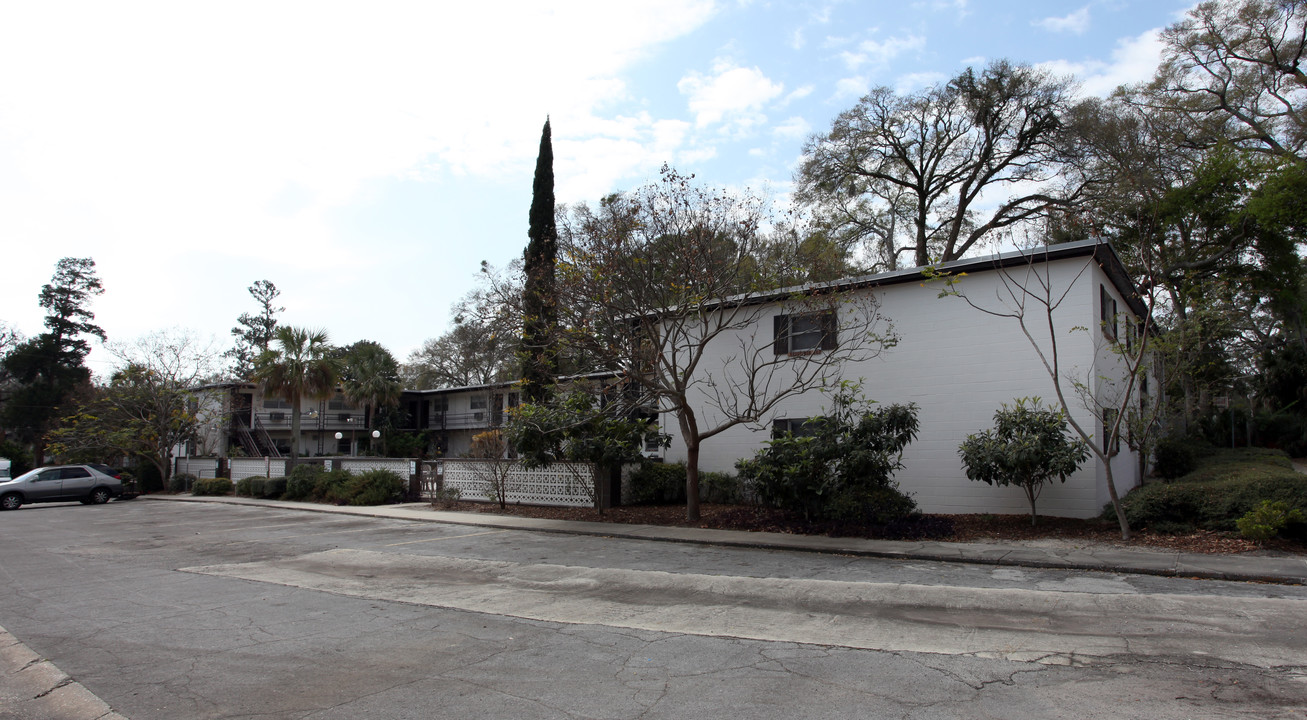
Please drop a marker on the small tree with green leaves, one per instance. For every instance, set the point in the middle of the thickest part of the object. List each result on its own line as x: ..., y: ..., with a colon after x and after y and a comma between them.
x: 1028, y: 446
x: 573, y: 428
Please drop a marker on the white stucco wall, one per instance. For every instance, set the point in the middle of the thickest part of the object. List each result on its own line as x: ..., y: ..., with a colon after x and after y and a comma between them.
x: 958, y: 365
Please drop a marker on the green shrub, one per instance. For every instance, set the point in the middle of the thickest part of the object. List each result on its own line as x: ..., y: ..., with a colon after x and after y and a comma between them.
x: 1268, y: 520
x: 181, y: 482
x: 657, y: 484
x: 329, y: 487
x: 870, y: 506
x: 842, y: 470
x: 1227, y: 485
x: 274, y: 488
x: 1285, y: 429
x: 374, y: 487
x: 212, y: 486
x: 722, y: 488
x: 302, y: 480
x: 1174, y: 457
x: 446, y: 496
x: 250, y: 486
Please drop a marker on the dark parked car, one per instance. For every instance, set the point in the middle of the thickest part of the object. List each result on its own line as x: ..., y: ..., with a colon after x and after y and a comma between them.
x: 59, y: 483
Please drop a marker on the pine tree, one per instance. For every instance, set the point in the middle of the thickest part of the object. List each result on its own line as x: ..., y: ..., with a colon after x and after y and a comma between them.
x: 49, y: 369
x: 539, y: 306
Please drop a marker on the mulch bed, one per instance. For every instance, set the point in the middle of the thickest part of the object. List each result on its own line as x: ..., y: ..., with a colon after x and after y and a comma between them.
x: 951, y: 528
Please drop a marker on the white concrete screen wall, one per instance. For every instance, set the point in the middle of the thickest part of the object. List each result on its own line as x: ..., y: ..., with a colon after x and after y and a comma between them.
x: 959, y: 364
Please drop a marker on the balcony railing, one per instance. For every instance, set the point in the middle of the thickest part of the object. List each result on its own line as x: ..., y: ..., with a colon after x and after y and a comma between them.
x: 332, y: 420
x: 469, y: 420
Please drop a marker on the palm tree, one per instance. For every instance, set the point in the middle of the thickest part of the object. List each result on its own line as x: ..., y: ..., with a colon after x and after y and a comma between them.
x: 370, y: 377
x: 299, y: 367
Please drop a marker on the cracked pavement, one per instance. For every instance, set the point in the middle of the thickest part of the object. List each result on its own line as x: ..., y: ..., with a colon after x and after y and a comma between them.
x: 175, y: 610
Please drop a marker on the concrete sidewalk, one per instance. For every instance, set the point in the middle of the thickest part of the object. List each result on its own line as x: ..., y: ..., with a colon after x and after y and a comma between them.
x: 1249, y: 568
x: 32, y: 688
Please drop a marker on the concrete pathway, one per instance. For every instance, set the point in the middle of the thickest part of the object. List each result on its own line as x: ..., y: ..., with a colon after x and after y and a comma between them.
x: 1249, y: 568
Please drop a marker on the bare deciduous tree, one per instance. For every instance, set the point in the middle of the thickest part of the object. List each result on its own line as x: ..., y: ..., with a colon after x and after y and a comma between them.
x: 1232, y: 71
x: 660, y: 285
x: 1030, y: 295
x: 909, y: 172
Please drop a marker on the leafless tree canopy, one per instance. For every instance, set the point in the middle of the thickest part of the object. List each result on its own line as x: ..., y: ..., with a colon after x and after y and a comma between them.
x: 662, y: 284
x: 1232, y: 72
x: 905, y: 173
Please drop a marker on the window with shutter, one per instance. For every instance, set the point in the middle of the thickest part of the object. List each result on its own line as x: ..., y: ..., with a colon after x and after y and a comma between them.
x: 1107, y: 312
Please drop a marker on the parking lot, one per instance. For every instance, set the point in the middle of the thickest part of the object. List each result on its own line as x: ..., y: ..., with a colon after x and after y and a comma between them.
x: 178, y: 610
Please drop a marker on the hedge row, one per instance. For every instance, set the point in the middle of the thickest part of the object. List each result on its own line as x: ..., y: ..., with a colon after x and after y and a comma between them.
x: 1226, y: 486
x: 312, y: 483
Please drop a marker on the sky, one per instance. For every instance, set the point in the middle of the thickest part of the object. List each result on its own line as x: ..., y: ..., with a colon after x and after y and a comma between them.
x: 367, y: 157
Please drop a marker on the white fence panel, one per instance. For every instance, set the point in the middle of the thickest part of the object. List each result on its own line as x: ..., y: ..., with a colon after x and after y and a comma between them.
x: 400, y: 466
x: 242, y: 468
x: 566, y: 484
x: 199, y: 467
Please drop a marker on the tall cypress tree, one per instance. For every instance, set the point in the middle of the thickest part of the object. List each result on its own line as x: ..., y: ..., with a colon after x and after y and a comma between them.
x: 539, y: 305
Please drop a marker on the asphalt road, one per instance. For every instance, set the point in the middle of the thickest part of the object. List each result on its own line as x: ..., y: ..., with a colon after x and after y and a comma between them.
x: 175, y: 610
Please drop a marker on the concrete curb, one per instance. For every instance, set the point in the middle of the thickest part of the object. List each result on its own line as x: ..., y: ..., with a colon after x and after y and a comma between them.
x: 32, y: 688
x: 1241, y: 568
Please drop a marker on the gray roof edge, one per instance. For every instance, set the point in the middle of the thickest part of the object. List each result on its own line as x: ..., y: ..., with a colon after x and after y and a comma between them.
x: 1101, y: 251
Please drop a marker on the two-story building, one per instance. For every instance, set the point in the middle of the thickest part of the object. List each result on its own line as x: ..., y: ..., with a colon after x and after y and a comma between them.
x: 238, y: 418
x: 960, y: 352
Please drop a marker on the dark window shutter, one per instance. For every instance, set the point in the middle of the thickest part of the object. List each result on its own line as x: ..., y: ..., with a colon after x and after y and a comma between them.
x: 781, y: 334
x: 829, y: 331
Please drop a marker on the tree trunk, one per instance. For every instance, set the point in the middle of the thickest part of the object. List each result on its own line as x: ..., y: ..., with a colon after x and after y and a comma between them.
x: 692, y: 482
x: 1030, y: 495
x: 1116, y: 501
x: 294, y: 429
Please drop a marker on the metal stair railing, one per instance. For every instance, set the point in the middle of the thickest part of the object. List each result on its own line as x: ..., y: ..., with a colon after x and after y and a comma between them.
x: 248, y: 444
x: 266, y: 439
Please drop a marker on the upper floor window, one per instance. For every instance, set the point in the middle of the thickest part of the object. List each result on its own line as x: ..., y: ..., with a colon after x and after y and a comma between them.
x: 272, y: 403
x: 478, y: 402
x: 797, y: 427
x: 1107, y: 312
x: 805, y: 333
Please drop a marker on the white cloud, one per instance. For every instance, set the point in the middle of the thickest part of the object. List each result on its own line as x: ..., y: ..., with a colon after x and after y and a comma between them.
x: 851, y: 87
x: 797, y: 40
x: 1076, y: 23
x: 733, y: 96
x: 795, y: 128
x: 912, y: 82
x: 877, y: 52
x: 166, y: 139
x: 955, y: 6
x: 1133, y: 60
x: 798, y: 94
